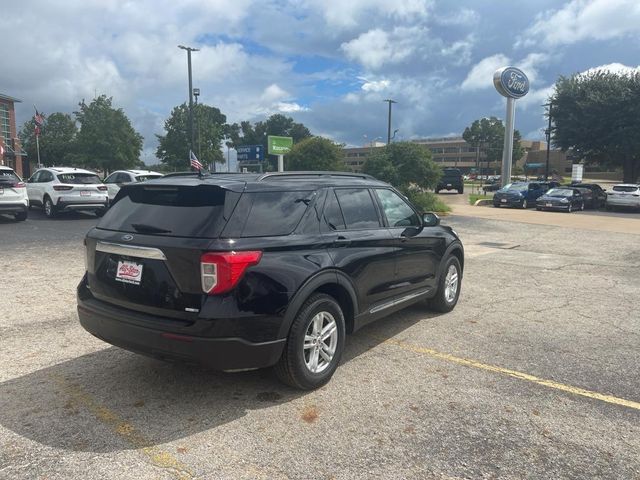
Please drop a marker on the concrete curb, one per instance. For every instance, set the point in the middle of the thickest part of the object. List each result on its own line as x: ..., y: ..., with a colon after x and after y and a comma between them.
x: 483, y: 202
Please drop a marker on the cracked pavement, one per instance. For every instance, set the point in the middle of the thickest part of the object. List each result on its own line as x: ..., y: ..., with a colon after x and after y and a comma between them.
x: 561, y: 306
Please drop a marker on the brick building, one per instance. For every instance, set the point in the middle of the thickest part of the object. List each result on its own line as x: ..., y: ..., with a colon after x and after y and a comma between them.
x: 13, y: 155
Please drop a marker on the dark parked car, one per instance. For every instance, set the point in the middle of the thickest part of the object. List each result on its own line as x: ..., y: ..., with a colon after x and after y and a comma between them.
x: 561, y: 198
x: 518, y: 194
x: 451, y: 180
x: 598, y: 197
x: 247, y: 271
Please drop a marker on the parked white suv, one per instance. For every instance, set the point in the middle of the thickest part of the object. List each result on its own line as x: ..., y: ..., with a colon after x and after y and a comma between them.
x: 121, y: 177
x: 623, y: 195
x: 64, y: 189
x: 13, y: 194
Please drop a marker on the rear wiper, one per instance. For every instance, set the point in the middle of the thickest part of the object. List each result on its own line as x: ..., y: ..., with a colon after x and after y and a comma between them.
x: 142, y: 228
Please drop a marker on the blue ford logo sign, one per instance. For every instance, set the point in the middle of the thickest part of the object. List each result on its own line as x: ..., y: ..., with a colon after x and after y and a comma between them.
x: 511, y: 82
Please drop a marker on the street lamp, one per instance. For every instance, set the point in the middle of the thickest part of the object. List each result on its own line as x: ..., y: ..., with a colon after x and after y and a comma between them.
x: 189, y: 50
x: 389, y: 101
x: 547, y: 133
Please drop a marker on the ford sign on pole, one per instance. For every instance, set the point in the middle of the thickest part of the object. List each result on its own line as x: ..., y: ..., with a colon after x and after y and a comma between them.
x: 512, y: 83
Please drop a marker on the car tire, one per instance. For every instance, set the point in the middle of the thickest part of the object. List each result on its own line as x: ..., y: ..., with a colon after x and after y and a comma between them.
x: 461, y: 190
x: 445, y: 299
x: 437, y: 191
x: 21, y: 217
x: 49, y: 208
x: 525, y: 204
x: 539, y: 208
x: 304, y: 344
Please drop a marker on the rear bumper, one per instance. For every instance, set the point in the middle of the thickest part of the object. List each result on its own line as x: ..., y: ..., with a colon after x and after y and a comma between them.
x: 122, y: 328
x: 544, y: 206
x: 93, y: 204
x: 623, y: 202
x: 497, y: 202
x: 18, y: 207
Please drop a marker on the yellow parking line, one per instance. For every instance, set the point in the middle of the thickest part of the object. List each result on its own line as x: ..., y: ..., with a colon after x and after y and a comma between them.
x: 123, y: 429
x: 514, y: 373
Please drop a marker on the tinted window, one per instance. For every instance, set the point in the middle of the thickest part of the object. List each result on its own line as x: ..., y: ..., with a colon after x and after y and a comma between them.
x: 7, y: 176
x: 111, y: 178
x: 624, y: 188
x: 143, y: 178
x: 79, y: 178
x: 264, y: 214
x: 358, y: 209
x: 45, y: 177
x: 398, y: 213
x: 200, y: 211
x: 332, y: 213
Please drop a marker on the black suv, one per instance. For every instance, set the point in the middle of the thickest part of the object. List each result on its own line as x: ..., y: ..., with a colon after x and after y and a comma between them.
x: 451, y: 180
x: 243, y: 271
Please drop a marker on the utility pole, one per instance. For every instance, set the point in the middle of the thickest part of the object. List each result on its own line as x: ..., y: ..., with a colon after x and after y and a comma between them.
x: 548, y: 135
x: 389, y: 101
x: 191, y: 135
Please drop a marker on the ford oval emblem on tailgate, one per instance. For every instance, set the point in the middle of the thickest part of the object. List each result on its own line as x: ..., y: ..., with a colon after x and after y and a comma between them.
x: 127, y: 237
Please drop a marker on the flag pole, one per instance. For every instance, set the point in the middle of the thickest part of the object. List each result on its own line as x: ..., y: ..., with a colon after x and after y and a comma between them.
x: 38, y: 149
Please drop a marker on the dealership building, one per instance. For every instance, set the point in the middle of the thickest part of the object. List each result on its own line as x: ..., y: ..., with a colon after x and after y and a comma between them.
x: 11, y: 153
x: 446, y: 152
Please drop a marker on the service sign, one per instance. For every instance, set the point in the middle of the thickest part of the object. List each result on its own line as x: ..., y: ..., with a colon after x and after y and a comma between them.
x: 250, y: 152
x: 511, y: 82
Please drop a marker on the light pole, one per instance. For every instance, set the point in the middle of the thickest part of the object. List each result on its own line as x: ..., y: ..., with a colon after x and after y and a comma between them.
x: 189, y: 50
x: 547, y: 133
x: 389, y: 101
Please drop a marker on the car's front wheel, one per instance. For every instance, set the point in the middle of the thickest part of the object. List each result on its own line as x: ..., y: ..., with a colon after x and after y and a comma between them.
x: 449, y: 286
x: 314, y: 345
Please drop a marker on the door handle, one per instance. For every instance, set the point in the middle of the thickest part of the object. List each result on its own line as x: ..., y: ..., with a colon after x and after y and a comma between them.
x: 341, y: 241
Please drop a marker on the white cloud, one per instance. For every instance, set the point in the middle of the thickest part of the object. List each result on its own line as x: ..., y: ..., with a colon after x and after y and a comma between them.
x: 481, y: 75
x: 585, y: 19
x: 617, y: 68
x: 374, y: 85
x: 375, y: 48
x: 348, y: 14
x: 462, y: 17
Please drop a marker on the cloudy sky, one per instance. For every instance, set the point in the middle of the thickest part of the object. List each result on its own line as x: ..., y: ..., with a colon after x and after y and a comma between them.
x: 327, y: 63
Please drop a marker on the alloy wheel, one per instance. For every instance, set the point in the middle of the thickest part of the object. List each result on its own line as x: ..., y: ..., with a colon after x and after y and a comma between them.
x: 320, y: 342
x: 451, y: 284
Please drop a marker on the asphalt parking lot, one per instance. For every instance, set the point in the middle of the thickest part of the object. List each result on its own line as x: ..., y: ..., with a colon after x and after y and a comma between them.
x: 533, y: 375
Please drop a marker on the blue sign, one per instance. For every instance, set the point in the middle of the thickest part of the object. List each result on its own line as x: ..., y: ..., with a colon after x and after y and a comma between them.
x: 250, y: 153
x: 511, y: 82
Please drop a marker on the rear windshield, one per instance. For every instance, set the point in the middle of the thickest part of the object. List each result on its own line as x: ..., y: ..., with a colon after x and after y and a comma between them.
x: 451, y: 173
x: 516, y: 187
x: 195, y: 211
x: 142, y: 178
x: 79, y: 178
x: 265, y: 214
x: 623, y: 188
x: 560, y: 192
x: 7, y: 176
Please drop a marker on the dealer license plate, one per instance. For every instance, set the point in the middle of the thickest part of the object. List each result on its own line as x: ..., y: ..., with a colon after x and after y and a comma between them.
x: 548, y: 205
x: 504, y: 200
x: 85, y: 193
x: 129, y: 272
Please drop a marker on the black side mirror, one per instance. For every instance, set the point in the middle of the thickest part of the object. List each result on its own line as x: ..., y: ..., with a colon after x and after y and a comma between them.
x: 430, y: 219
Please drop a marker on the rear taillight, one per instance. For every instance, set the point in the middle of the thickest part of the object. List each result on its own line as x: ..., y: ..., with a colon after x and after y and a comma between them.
x: 19, y: 185
x: 62, y: 188
x: 221, y: 271
x: 102, y: 188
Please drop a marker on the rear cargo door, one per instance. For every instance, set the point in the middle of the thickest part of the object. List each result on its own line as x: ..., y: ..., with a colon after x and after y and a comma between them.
x: 145, y: 252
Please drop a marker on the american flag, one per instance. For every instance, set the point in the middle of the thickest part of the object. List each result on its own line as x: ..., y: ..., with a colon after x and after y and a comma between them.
x: 195, y: 163
x: 39, y: 120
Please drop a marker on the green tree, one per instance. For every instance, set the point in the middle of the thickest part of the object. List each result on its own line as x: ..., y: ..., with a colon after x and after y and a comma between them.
x: 315, y: 153
x: 246, y: 133
x: 598, y: 116
x: 209, y: 126
x: 408, y: 167
x: 57, y: 139
x: 488, y: 135
x: 106, y: 139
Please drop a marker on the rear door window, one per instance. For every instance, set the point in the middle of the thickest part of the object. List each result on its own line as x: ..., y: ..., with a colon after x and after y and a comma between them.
x: 332, y: 214
x: 358, y: 208
x: 178, y: 211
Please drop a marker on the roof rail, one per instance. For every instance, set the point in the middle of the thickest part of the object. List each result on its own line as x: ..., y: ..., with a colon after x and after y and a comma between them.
x: 270, y: 175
